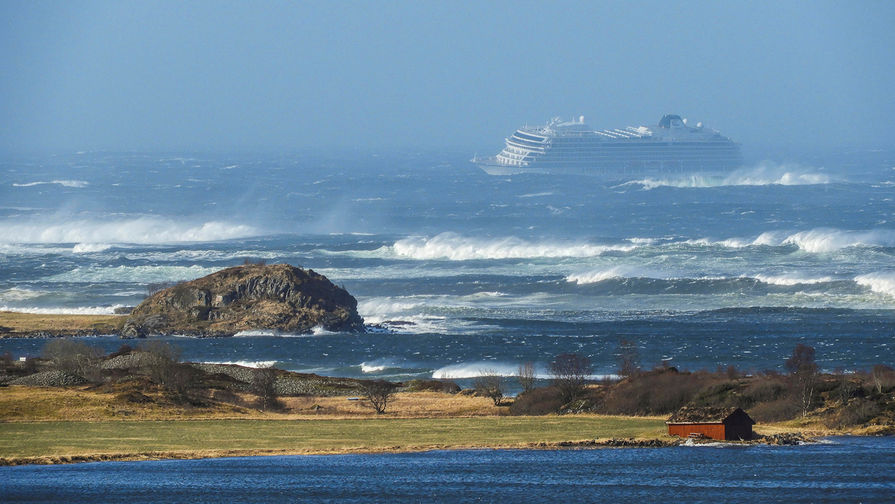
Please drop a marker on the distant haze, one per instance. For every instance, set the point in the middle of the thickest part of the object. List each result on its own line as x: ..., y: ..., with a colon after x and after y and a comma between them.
x: 123, y: 75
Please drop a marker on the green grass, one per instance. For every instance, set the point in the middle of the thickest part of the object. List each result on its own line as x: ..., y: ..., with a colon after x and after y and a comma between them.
x: 62, y: 439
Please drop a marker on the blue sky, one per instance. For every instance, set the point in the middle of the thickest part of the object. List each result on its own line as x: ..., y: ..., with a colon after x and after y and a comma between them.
x: 123, y: 75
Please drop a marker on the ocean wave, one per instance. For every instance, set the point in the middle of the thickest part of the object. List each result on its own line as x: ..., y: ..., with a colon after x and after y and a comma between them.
x: 245, y: 363
x: 683, y: 283
x: 372, y: 368
x: 76, y: 310
x: 18, y: 294
x: 132, y: 274
x: 475, y: 370
x: 763, y: 174
x: 792, y: 280
x: 256, y: 332
x: 881, y: 283
x: 77, y: 184
x: 816, y: 240
x: 86, y: 248
x: 455, y: 247
x: 139, y: 230
x: 600, y: 275
x: 380, y: 308
x: 467, y: 370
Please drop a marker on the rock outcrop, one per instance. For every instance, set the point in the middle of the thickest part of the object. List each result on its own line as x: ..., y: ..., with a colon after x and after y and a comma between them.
x: 274, y: 297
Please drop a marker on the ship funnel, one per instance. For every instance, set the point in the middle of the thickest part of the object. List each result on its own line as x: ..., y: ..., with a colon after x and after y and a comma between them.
x: 581, y: 119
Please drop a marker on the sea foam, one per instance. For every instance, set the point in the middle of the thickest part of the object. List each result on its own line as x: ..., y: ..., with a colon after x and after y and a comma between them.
x: 132, y: 274
x: 763, y: 174
x: 881, y: 283
x: 455, y: 247
x: 138, y: 230
x: 78, y: 184
x: 816, y: 240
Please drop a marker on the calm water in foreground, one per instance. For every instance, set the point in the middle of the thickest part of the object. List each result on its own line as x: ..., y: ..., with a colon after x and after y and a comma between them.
x: 842, y: 469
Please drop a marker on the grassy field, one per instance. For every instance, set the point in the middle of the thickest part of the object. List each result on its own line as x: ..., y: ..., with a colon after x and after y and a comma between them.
x: 41, y: 404
x: 42, y: 442
x: 24, y: 323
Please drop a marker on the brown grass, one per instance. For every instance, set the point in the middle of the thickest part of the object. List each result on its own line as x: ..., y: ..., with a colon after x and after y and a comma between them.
x: 25, y: 323
x: 29, y: 404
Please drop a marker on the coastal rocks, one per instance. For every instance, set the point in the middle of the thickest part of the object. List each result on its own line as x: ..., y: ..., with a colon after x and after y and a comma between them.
x: 276, y: 297
x: 286, y: 383
x: 52, y: 378
x: 785, y: 439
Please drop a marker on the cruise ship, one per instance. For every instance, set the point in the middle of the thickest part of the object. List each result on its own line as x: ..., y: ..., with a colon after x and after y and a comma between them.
x: 573, y: 147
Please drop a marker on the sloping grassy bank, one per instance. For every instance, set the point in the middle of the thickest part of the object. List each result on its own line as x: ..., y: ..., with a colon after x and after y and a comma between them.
x: 60, y: 442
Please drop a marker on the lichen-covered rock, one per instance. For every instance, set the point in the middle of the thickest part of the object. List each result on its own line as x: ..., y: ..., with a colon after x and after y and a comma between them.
x: 274, y: 297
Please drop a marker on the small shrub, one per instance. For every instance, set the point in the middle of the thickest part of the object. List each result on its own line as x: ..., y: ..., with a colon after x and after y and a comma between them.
x: 857, y: 412
x: 124, y: 349
x: 491, y: 386
x: 774, y: 411
x: 445, y: 386
x: 882, y: 378
x: 569, y: 372
x: 537, y: 401
x: 74, y: 357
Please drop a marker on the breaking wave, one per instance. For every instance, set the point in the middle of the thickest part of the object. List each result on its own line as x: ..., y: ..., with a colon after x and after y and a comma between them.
x: 816, y: 240
x: 474, y: 370
x: 244, y: 363
x: 77, y: 310
x: 763, y: 174
x: 791, y: 280
x: 17, y: 294
x: 466, y: 370
x: 78, y: 184
x: 881, y: 283
x: 139, y: 230
x: 132, y: 274
x: 454, y: 247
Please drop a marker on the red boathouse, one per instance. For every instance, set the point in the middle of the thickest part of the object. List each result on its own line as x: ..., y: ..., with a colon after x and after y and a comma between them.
x: 729, y: 424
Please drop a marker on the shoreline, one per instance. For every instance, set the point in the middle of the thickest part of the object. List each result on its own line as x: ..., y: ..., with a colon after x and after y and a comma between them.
x: 585, y: 444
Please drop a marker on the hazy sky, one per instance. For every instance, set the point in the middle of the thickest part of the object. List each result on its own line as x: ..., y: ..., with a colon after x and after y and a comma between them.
x: 123, y: 75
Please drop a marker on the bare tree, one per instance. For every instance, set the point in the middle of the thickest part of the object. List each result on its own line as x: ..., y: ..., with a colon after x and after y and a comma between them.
x: 628, y: 359
x: 882, y: 376
x: 379, y: 392
x: 264, y: 382
x: 570, y: 371
x: 490, y: 384
x: 526, y: 376
x: 803, y: 373
x: 161, y: 363
x: 74, y: 357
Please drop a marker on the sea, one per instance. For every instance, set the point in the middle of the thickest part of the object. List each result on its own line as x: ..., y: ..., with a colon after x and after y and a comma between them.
x: 458, y: 273
x: 839, y: 469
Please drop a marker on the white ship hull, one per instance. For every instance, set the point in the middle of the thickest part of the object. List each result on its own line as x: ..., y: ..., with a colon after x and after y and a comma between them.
x: 574, y: 148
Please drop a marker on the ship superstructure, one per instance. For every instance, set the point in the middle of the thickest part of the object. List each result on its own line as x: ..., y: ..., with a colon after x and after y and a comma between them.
x: 672, y: 146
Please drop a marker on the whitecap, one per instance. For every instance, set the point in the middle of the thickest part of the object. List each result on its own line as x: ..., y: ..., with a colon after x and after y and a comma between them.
x: 455, y: 247
x: 132, y: 274
x: 76, y: 310
x: 19, y: 294
x: 763, y: 174
x: 244, y: 363
x: 791, y: 280
x: 138, y: 230
x: 879, y: 282
x: 77, y: 184
x: 84, y: 248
